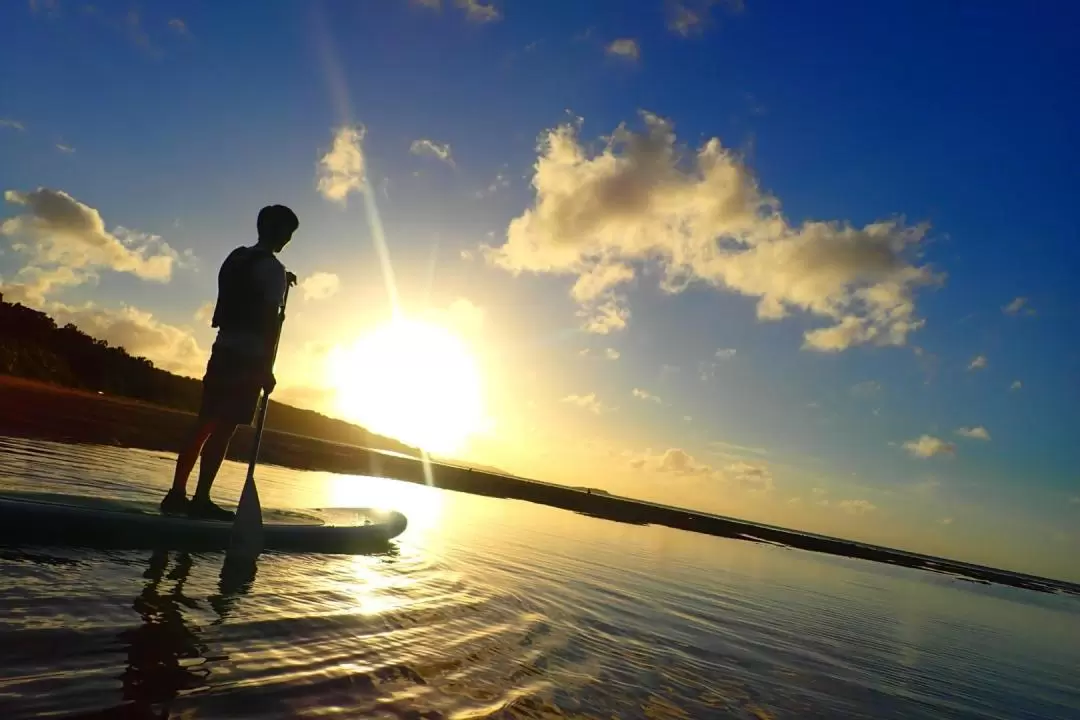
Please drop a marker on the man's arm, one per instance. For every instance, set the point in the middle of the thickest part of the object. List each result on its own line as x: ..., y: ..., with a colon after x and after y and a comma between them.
x: 273, y: 280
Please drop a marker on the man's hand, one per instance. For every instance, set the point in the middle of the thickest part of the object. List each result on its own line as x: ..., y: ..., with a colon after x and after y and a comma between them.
x: 290, y: 277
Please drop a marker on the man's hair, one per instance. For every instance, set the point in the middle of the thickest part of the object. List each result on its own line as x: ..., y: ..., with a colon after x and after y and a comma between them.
x: 276, y: 217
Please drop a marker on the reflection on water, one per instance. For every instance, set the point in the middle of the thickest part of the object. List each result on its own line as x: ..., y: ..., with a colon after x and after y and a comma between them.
x: 423, y: 504
x: 164, y: 654
x: 489, y: 608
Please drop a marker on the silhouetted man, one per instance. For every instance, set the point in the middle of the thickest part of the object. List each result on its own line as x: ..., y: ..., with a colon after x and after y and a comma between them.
x: 251, y: 287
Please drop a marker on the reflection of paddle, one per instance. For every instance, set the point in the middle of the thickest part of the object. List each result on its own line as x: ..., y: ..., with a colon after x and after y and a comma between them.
x: 245, y: 542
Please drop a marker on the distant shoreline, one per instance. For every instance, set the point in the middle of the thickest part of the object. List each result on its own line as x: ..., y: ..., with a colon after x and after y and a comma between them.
x: 38, y: 410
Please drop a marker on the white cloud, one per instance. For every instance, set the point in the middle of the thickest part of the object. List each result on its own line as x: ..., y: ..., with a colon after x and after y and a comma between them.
x: 66, y: 243
x: 729, y: 449
x: 205, y: 313
x: 611, y: 354
x: 474, y: 10
x: 1074, y: 500
x: 819, y: 491
x: 688, y: 17
x: 625, y: 48
x: 680, y: 462
x: 341, y: 169
x: 178, y: 26
x: 928, y: 446
x: 974, y: 433
x: 598, y: 215
x: 1017, y: 306
x: 433, y: 149
x: 946, y: 521
x: 753, y: 476
x: 66, y: 149
x: 645, y: 395
x: 137, y: 33
x: 478, y: 11
x: 857, y: 507
x: 501, y: 181
x: 707, y: 370
x: 978, y: 363
x: 676, y: 461
x: 33, y: 284
x: 1016, y: 385
x: 598, y: 280
x: 138, y: 332
x: 13, y: 124
x: 320, y: 285
x: 607, y: 317
x: 588, y: 402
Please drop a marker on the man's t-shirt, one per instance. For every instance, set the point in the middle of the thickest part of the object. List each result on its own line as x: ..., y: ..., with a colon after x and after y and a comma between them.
x: 269, y: 278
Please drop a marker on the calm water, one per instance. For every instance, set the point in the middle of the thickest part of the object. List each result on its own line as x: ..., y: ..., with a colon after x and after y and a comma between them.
x: 497, y: 609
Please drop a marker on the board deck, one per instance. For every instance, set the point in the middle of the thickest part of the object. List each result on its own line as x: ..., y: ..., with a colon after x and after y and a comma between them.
x: 47, y: 518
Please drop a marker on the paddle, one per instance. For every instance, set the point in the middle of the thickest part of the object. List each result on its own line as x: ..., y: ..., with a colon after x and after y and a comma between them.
x: 245, y: 541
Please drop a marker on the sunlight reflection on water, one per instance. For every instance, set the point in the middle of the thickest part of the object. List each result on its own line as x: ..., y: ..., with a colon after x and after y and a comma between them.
x: 496, y: 608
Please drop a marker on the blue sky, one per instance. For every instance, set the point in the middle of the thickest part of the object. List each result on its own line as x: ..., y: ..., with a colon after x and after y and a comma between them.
x: 579, y: 273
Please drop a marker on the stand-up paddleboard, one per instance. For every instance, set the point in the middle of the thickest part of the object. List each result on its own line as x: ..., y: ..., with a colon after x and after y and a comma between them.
x: 52, y: 519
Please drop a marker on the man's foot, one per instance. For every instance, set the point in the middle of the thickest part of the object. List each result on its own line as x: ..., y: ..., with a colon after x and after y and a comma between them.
x: 175, y: 502
x: 205, y: 509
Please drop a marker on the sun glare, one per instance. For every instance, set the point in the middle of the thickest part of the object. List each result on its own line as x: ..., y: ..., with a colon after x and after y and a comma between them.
x: 412, y: 380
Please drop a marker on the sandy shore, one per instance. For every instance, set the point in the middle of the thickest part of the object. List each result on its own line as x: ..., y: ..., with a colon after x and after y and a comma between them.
x: 36, y: 410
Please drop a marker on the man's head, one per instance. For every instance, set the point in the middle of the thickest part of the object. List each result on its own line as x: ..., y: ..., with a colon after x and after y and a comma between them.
x: 276, y: 225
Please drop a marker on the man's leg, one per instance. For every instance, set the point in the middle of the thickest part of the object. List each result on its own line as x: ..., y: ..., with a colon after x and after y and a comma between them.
x: 189, y: 453
x: 175, y: 501
x: 233, y: 396
x: 213, y: 454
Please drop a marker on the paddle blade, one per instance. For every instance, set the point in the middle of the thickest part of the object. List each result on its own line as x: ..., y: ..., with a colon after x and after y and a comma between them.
x: 246, y: 540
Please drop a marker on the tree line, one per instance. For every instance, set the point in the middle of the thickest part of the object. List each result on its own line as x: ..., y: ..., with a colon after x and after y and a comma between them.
x: 34, y: 347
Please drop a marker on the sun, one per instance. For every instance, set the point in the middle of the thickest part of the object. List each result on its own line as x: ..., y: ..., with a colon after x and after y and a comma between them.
x: 412, y: 380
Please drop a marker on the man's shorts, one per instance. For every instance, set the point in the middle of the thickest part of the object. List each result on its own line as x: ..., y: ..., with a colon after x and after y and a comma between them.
x: 231, y: 387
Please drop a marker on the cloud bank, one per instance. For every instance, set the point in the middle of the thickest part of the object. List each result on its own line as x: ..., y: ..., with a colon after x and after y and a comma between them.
x: 700, y: 217
x: 676, y: 461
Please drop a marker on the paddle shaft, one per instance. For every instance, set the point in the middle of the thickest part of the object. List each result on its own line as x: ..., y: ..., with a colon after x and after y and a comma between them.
x: 265, y: 399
